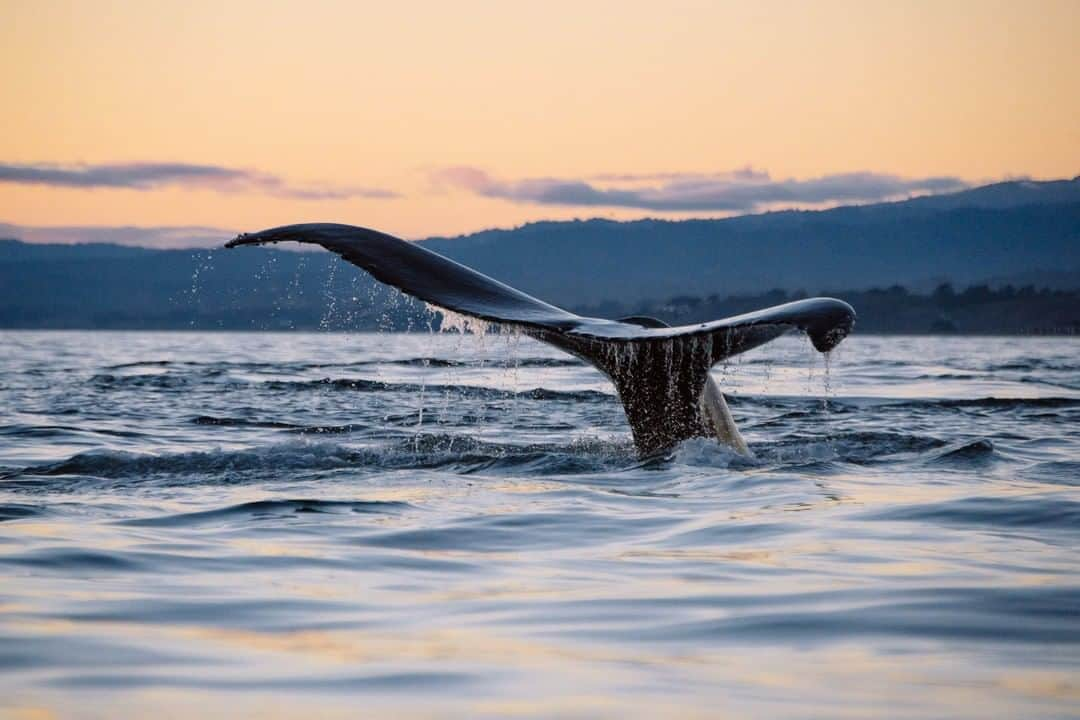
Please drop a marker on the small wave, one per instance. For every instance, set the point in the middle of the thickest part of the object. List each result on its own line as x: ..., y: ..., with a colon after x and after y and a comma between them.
x: 51, y: 431
x: 993, y: 512
x: 118, y: 464
x: 463, y: 453
x: 165, y: 381
x: 1058, y: 472
x: 346, y: 429
x: 990, y: 403
x: 276, y: 425
x: 144, y: 363
x: 1010, y: 403
x: 1031, y: 364
x: 447, y: 363
x: 263, y: 509
x: 470, y: 455
x: 987, y: 405
x: 240, y: 422
x: 501, y: 532
x: 68, y: 560
x: 1038, y: 615
x: 355, y: 384
x: 1048, y: 383
x: 17, y: 511
x: 979, y: 450
x: 815, y: 411
x: 408, y: 362
x: 423, y: 361
x: 401, y: 682
x: 464, y: 391
x: 547, y: 362
x: 860, y: 448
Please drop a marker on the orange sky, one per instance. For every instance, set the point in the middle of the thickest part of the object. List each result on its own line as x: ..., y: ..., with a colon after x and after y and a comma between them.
x: 386, y: 96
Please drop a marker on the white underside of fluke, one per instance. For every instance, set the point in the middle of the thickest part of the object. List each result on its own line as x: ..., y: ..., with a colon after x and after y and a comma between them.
x: 715, y: 408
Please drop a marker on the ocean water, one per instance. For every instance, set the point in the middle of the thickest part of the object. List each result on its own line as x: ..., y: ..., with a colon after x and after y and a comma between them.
x: 417, y: 526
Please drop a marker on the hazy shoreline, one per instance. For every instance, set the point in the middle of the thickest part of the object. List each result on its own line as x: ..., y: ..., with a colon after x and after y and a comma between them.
x: 975, y: 311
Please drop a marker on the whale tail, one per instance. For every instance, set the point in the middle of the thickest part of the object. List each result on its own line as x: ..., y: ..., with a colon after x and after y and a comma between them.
x: 661, y: 373
x: 664, y: 379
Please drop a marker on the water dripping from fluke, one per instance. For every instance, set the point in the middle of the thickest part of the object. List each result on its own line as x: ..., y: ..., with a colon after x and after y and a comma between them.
x: 660, y: 373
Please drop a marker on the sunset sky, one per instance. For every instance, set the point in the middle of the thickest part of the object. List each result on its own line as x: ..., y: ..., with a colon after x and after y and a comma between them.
x: 423, y: 118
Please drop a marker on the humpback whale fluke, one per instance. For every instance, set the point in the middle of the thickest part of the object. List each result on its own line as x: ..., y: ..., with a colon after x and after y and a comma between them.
x: 661, y: 373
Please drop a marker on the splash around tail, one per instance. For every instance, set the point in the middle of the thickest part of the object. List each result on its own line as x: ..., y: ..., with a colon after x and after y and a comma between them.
x: 661, y: 373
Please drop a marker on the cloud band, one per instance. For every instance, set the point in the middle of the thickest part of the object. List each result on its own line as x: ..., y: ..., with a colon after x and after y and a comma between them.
x: 742, y: 190
x: 151, y: 176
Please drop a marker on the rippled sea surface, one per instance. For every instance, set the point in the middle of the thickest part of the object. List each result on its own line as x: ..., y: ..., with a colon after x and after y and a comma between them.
x: 332, y: 525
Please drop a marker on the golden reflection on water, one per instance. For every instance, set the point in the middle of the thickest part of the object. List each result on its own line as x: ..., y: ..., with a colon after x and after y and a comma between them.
x: 276, y: 549
x: 1042, y: 685
x: 36, y: 529
x: 27, y: 713
x: 835, y: 681
x: 756, y: 557
x: 839, y: 681
x: 508, y: 591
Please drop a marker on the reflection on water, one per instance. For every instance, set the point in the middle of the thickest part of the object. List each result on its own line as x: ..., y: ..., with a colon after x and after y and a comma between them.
x: 310, y: 525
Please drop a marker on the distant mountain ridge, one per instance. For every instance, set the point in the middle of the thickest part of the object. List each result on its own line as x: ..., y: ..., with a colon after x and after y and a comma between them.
x: 13, y: 250
x: 1019, y: 229
x: 966, y: 237
x: 1008, y: 194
